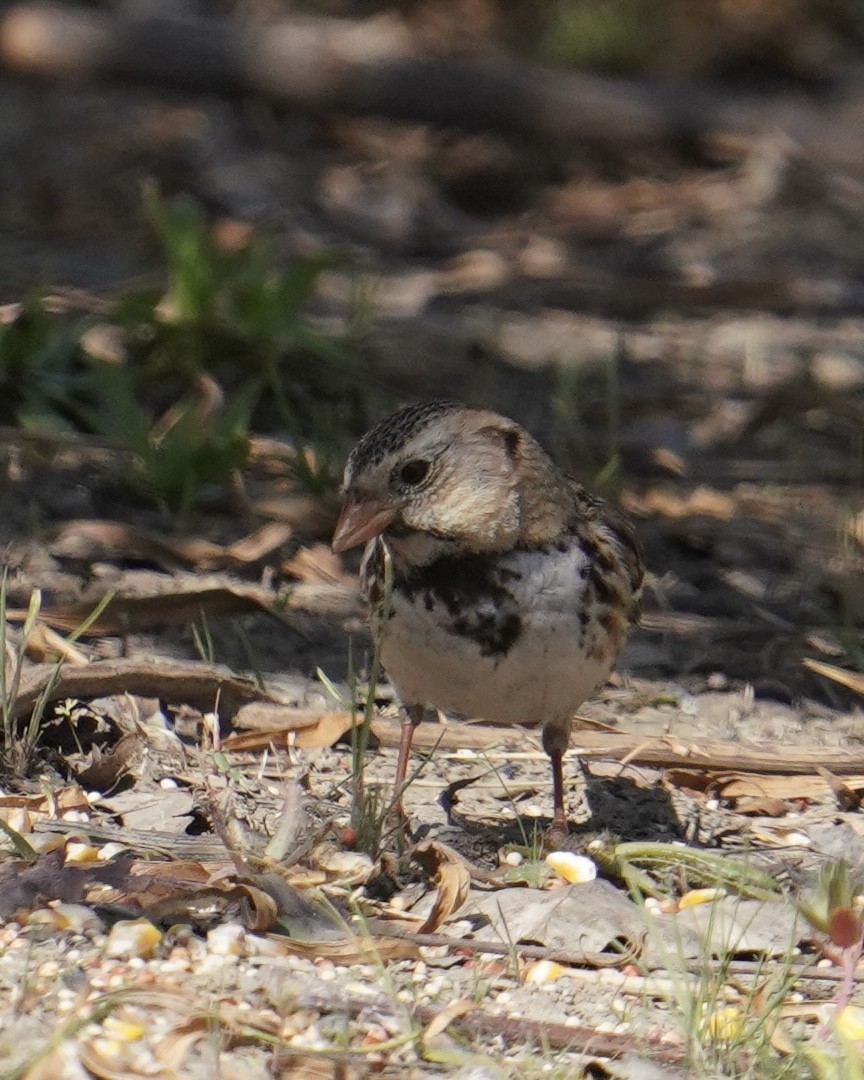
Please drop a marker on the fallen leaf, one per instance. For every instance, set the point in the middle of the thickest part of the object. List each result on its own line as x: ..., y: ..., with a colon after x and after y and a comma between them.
x: 731, y: 926
x: 451, y: 1012
x: 593, y: 921
x: 46, y: 645
x: 281, y: 725
x: 451, y: 876
x: 317, y: 563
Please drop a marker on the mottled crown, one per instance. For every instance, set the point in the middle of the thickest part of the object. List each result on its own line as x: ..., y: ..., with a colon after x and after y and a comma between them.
x: 394, y: 431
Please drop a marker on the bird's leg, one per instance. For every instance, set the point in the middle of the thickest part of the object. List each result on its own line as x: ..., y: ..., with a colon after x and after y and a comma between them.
x: 411, y: 717
x: 556, y: 737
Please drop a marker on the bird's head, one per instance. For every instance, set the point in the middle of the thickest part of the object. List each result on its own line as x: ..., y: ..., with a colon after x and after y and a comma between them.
x: 443, y: 470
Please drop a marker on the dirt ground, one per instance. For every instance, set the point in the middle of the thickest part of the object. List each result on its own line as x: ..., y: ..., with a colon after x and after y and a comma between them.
x: 737, y: 441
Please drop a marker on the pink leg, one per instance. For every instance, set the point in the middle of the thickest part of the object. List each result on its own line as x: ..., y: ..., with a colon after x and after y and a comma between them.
x: 411, y: 717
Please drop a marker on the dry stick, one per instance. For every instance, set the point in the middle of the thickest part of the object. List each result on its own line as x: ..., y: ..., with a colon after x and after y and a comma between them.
x: 514, y: 1029
x: 495, y: 948
x: 800, y: 972
x: 665, y: 751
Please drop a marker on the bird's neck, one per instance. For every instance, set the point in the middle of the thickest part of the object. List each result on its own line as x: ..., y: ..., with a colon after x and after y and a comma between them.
x: 412, y: 549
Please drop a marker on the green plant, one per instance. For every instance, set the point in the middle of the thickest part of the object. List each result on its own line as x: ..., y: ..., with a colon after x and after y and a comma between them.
x: 19, y: 743
x: 229, y: 318
x: 225, y: 301
x: 605, y: 35
x: 371, y: 814
x: 731, y: 1029
x: 41, y: 370
x: 200, y: 446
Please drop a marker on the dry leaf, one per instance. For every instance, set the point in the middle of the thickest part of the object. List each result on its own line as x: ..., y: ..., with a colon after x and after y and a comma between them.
x: 450, y: 873
x: 51, y: 804
x: 316, y: 564
x: 46, y: 645
x: 704, y: 501
x: 844, y: 791
x: 761, y: 806
x: 446, y: 1017
x: 259, y: 910
x: 593, y: 921
x: 281, y: 725
x: 95, y: 540
x: 328, y: 731
x: 257, y: 545
x: 47, y: 1068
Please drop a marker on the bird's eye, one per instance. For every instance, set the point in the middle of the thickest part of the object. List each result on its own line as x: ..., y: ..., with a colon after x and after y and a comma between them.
x: 414, y: 472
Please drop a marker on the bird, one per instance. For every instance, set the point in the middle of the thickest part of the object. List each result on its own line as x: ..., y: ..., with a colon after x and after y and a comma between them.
x: 497, y: 586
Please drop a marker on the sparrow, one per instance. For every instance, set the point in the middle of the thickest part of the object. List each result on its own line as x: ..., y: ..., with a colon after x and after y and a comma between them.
x: 511, y: 588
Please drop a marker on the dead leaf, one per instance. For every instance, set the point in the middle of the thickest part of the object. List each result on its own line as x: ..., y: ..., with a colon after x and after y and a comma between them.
x: 257, y: 545
x: 328, y: 731
x: 97, y: 540
x: 731, y: 925
x: 50, y: 804
x: 450, y: 874
x: 280, y: 725
x: 102, y: 769
x: 445, y: 1018
x: 46, y: 1068
x: 847, y: 798
x: 259, y: 908
x: 761, y: 806
x: 318, y: 564
x: 46, y: 645
x: 594, y: 920
x: 24, y: 886
x: 704, y: 501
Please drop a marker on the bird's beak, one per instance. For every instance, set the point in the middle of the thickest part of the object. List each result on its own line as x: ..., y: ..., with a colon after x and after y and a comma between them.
x: 361, y: 520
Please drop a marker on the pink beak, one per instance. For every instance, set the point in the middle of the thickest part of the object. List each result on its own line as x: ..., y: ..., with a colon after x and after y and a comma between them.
x: 360, y: 521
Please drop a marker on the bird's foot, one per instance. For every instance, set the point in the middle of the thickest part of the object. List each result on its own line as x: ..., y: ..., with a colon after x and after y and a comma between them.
x: 557, y: 833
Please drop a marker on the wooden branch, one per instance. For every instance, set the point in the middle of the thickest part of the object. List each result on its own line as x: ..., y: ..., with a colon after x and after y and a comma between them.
x: 371, y: 67
x: 659, y: 750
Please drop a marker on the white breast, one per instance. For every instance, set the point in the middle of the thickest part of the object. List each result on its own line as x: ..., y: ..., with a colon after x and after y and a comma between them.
x: 544, y: 675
